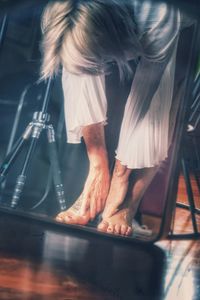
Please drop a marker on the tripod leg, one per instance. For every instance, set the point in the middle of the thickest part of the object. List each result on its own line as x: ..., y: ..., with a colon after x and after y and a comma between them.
x: 56, y: 168
x: 22, y: 177
x: 12, y: 155
x: 59, y: 130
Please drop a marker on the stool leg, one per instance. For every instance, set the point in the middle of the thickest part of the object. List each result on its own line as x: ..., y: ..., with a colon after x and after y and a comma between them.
x: 190, y: 194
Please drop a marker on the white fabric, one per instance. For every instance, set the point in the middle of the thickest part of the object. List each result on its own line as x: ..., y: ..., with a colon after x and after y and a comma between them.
x: 149, y: 139
x: 142, y: 142
x: 85, y: 103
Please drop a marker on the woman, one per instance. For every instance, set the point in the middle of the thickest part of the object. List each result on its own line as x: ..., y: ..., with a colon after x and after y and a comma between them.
x: 86, y: 37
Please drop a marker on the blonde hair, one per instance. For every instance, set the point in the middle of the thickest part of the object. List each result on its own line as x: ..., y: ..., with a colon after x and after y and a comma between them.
x: 85, y: 36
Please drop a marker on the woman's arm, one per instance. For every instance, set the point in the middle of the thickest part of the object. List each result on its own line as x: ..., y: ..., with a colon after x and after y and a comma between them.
x: 98, y: 181
x: 85, y: 116
x: 85, y: 103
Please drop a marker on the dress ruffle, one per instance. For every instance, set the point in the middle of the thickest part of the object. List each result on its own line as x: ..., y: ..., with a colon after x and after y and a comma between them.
x: 85, y: 103
x: 147, y: 144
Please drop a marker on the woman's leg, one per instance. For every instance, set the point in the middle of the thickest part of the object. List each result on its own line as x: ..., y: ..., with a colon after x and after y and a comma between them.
x: 92, y: 199
x: 121, y: 221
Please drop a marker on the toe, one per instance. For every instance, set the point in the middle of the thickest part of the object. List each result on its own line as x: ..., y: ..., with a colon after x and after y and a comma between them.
x: 60, y: 217
x: 76, y: 220
x: 129, y: 231
x: 69, y: 219
x: 110, y: 228
x: 103, y: 226
x: 123, y: 229
x: 117, y: 229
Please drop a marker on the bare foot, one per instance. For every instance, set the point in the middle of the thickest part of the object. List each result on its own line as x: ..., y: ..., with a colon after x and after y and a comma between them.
x: 120, y: 223
x: 118, y: 189
x: 72, y: 215
x: 91, y: 201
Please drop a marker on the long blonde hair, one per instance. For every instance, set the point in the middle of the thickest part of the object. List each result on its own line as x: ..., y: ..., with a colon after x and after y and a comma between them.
x: 86, y: 35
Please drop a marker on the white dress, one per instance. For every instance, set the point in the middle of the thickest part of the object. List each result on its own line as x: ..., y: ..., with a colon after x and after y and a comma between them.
x: 143, y: 142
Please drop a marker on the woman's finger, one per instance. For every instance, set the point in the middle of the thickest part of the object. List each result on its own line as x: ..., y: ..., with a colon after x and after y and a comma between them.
x: 93, y: 207
x: 99, y: 205
x: 84, y: 205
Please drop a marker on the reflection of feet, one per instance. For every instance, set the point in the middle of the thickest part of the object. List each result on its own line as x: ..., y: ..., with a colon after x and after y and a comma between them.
x: 72, y: 215
x: 120, y: 223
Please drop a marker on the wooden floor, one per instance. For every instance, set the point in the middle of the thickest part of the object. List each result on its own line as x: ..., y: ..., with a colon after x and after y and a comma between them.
x: 39, y: 263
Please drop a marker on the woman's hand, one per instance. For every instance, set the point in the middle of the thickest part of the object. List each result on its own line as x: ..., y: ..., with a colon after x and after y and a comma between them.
x: 96, y: 189
x: 97, y: 184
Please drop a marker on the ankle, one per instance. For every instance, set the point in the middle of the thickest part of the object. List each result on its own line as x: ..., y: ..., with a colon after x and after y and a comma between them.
x: 133, y: 206
x: 121, y: 171
x: 121, y: 177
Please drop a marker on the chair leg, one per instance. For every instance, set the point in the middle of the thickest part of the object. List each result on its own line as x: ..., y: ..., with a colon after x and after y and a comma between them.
x: 191, y: 207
